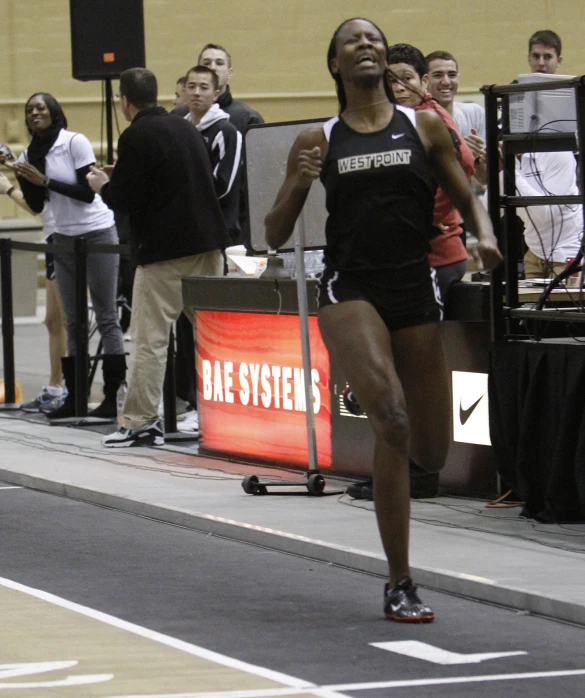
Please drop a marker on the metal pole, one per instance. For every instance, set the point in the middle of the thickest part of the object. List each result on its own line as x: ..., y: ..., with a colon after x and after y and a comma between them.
x: 299, y: 236
x: 580, y: 107
x: 7, y: 325
x: 511, y: 246
x: 109, y: 124
x: 580, y: 134
x: 492, y: 149
x: 169, y: 388
x: 81, y: 327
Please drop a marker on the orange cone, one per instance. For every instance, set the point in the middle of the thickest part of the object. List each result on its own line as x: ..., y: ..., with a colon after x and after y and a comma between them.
x: 18, y: 391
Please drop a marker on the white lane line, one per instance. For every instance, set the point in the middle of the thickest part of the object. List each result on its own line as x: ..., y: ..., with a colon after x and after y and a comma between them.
x: 10, y: 487
x: 260, y: 693
x: 454, y: 679
x: 10, y: 671
x: 69, y: 681
x: 430, y: 653
x: 195, y: 650
x: 332, y: 690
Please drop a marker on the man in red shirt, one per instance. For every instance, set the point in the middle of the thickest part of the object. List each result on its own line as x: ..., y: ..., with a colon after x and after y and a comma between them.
x: 408, y: 73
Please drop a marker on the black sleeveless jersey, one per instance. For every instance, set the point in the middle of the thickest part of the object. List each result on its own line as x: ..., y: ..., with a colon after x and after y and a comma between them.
x: 379, y: 196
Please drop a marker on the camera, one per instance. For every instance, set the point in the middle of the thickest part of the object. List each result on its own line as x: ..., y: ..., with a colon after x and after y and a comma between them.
x: 6, y: 153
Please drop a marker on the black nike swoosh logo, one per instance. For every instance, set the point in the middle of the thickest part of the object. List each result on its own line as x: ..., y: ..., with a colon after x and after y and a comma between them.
x: 464, y: 415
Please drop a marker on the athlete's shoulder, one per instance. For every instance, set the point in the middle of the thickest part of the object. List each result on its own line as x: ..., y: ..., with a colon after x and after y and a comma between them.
x: 429, y: 123
x: 406, y: 112
x: 427, y: 118
x: 329, y: 125
x: 311, y: 137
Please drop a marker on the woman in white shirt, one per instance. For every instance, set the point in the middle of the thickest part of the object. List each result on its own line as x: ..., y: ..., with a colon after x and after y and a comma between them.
x: 52, y: 395
x: 53, y: 168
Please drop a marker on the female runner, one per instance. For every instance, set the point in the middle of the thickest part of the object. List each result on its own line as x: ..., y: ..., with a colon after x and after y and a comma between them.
x: 378, y: 310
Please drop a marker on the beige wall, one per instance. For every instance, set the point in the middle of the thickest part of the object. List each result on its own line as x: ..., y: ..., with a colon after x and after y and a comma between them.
x: 278, y: 49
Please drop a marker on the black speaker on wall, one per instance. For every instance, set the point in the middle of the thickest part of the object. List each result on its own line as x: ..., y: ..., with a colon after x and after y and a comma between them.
x: 107, y: 37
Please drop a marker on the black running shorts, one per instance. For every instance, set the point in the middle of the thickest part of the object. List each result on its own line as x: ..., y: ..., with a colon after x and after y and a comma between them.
x: 415, y: 303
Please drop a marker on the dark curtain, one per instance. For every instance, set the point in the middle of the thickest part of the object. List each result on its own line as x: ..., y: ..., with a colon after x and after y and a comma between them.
x: 537, y: 426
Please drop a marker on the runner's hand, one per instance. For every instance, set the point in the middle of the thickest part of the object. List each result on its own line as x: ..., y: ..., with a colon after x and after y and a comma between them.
x: 487, y: 252
x: 309, y: 166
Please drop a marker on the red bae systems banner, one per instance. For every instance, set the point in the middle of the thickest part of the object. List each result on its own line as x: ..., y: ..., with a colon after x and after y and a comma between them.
x: 250, y: 386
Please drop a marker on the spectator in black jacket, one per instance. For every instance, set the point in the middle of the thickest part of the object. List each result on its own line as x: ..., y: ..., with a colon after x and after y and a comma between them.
x: 223, y: 140
x: 217, y: 58
x: 163, y: 180
x: 241, y: 116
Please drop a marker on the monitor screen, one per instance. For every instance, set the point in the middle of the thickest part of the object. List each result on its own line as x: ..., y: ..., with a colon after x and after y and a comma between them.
x: 543, y: 111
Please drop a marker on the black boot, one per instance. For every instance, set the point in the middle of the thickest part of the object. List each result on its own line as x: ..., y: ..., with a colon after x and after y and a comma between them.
x: 361, y: 490
x: 114, y: 371
x: 67, y: 409
x: 423, y: 485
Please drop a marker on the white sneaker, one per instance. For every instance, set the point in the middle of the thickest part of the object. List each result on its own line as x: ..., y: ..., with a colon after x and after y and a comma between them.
x: 147, y: 436
x: 189, y: 422
x: 49, y: 399
x: 182, y: 406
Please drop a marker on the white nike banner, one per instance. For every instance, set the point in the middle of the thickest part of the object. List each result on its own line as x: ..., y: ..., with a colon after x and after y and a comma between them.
x: 471, y: 423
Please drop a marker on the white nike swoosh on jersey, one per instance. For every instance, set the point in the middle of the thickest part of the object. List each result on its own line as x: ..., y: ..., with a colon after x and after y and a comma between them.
x: 397, y: 135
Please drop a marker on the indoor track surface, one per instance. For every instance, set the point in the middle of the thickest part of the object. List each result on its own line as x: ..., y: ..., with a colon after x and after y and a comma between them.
x: 98, y: 603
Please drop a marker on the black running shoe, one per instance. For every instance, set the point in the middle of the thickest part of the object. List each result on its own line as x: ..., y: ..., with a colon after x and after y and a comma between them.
x: 350, y: 402
x: 361, y: 490
x: 403, y: 605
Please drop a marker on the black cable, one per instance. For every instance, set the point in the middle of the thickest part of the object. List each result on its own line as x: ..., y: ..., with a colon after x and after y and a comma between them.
x: 555, y: 238
x: 537, y: 176
x: 90, y: 453
x: 366, y: 505
x: 561, y: 207
x: 357, y: 504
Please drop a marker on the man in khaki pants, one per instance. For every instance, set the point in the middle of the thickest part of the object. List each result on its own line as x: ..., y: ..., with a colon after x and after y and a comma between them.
x: 163, y: 180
